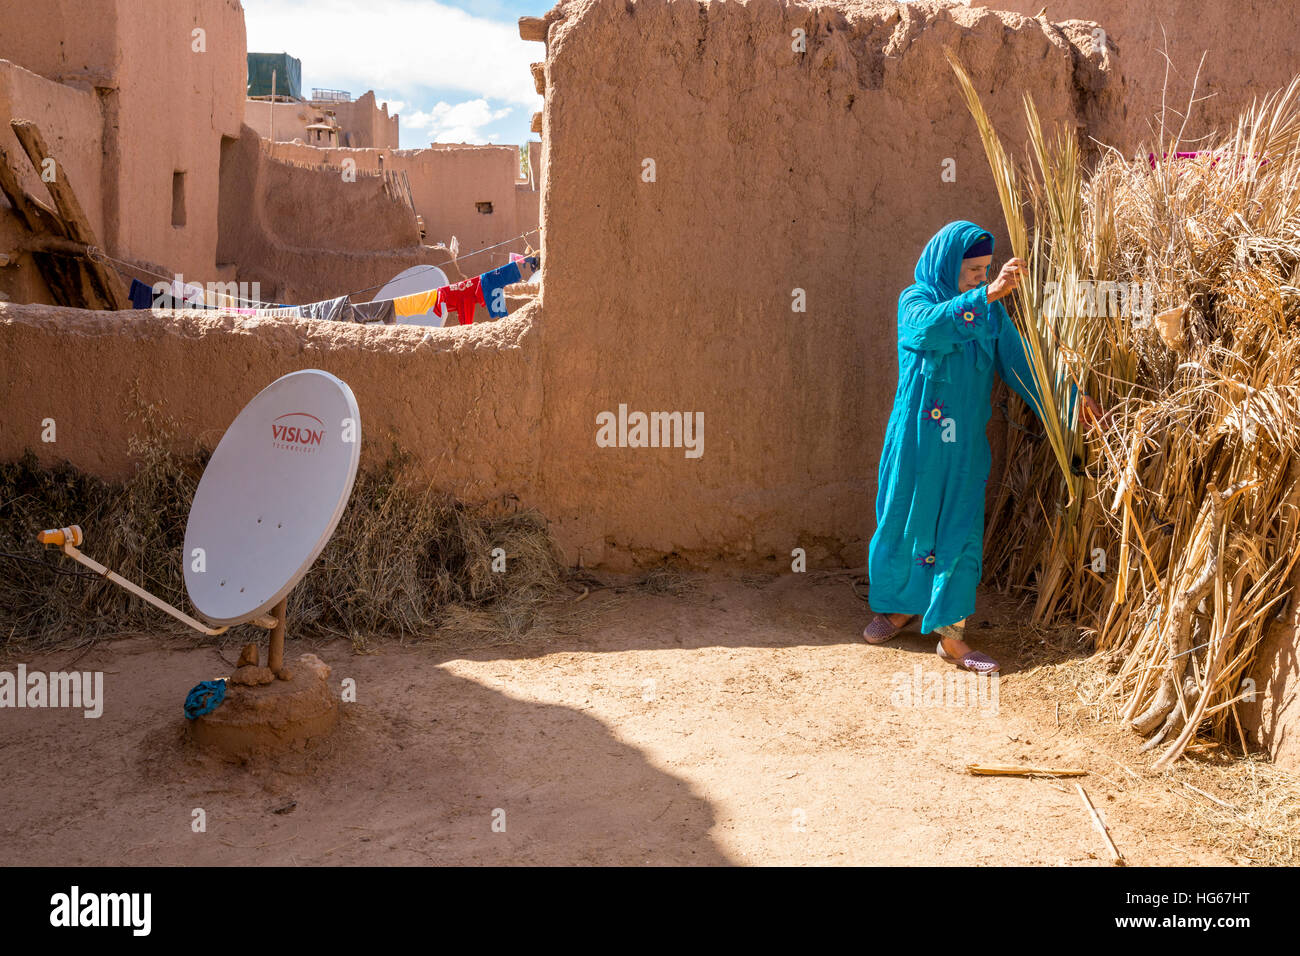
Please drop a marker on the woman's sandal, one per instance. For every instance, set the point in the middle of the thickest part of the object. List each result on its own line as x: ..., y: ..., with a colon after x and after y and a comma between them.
x: 882, y: 629
x: 972, y: 661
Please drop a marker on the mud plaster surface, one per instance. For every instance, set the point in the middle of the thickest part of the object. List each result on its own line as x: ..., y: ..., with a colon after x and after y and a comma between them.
x: 764, y: 703
x: 272, y: 717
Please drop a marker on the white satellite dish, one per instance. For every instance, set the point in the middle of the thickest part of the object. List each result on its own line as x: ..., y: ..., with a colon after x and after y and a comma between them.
x: 272, y: 495
x: 267, y: 503
x: 413, y: 280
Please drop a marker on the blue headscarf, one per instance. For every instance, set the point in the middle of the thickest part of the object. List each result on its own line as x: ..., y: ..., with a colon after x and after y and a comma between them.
x: 939, y: 268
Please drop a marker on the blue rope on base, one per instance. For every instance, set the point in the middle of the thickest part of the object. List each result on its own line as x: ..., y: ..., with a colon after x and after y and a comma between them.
x: 204, y: 698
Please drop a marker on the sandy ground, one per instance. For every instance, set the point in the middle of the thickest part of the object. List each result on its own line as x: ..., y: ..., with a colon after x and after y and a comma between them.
x: 742, y: 723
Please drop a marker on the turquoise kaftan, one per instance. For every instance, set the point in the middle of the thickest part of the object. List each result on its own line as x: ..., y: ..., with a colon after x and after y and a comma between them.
x: 926, y: 556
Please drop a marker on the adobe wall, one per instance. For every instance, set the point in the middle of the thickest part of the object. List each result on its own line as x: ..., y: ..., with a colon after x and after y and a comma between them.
x: 368, y: 122
x: 291, y: 119
x: 776, y: 171
x: 304, y: 233
x: 446, y: 182
x: 174, y: 107
x: 1272, y: 720
x: 1248, y: 45
x: 363, y: 124
x: 314, y: 207
x: 68, y: 41
x: 464, y: 401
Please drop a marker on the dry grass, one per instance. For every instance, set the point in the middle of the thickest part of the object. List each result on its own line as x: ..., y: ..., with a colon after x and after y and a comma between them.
x: 405, y: 562
x: 1243, y: 805
x: 1177, y: 547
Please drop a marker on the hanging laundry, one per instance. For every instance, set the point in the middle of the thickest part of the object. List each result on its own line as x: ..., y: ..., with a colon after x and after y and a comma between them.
x: 281, y: 312
x: 462, y: 298
x: 493, y: 287
x: 222, y: 300
x: 141, y: 295
x: 331, y: 310
x: 381, y: 311
x: 418, y: 303
x: 187, y: 296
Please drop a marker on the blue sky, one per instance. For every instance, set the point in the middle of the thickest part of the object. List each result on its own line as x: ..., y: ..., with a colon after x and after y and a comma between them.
x: 455, y: 70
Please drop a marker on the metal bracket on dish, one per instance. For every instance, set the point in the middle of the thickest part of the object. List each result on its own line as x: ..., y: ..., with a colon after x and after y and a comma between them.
x: 67, y: 539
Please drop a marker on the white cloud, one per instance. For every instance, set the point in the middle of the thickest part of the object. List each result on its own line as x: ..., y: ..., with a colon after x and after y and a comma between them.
x: 398, y: 47
x: 460, y: 123
x: 417, y: 120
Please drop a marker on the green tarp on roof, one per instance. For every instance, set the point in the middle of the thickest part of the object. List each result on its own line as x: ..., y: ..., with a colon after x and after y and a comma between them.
x: 288, y: 74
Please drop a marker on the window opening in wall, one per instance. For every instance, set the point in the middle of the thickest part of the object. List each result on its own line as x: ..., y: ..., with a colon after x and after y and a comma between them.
x: 178, y: 198
x: 483, y: 207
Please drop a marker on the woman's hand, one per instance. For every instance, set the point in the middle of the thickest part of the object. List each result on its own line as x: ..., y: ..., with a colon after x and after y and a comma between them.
x: 1092, y: 415
x: 1007, y: 280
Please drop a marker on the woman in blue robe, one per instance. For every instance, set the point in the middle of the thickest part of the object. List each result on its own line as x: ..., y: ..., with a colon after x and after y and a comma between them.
x: 954, y: 334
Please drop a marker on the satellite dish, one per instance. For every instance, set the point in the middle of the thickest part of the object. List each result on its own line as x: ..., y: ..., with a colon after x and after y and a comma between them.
x: 413, y: 280
x: 271, y: 495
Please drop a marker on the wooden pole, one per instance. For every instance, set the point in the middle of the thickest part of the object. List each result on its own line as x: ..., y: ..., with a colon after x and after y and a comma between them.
x: 1115, y: 856
x: 275, y: 656
x: 36, y: 216
x: 101, y: 286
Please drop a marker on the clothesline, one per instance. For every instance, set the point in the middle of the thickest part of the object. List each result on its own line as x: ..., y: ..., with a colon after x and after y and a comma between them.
x: 94, y: 251
x: 486, y: 289
x: 425, y: 268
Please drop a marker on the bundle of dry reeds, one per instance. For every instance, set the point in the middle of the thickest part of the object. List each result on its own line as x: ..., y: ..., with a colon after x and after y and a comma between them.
x: 1177, y: 304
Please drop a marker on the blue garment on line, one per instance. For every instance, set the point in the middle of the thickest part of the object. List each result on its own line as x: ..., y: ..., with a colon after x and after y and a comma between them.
x: 141, y: 295
x: 498, y: 278
x: 204, y: 698
x: 927, y: 554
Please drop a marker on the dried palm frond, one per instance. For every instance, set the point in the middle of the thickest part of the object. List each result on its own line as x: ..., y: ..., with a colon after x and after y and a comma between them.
x: 1175, y: 580
x: 1040, y: 334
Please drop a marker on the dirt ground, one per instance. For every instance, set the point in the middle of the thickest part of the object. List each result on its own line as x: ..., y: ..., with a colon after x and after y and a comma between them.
x: 741, y: 722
